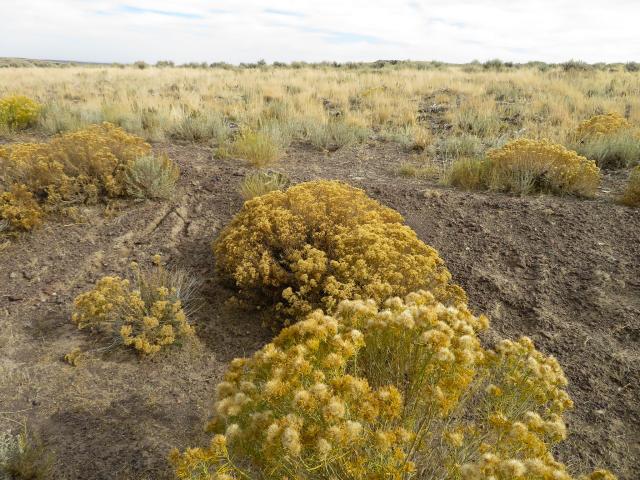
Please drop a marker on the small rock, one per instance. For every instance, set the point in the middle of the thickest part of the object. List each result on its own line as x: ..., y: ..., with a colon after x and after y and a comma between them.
x: 13, y: 275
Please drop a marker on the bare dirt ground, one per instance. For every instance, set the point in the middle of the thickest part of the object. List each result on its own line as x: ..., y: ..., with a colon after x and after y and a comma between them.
x: 564, y: 271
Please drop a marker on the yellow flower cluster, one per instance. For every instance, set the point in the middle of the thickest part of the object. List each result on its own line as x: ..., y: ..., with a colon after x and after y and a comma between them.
x: 525, y: 166
x: 631, y: 194
x: 602, y: 125
x: 321, y: 242
x: 294, y: 410
x: 18, y: 111
x: 383, y: 392
x: 494, y: 467
x: 146, y: 318
x: 19, y: 208
x: 428, y: 348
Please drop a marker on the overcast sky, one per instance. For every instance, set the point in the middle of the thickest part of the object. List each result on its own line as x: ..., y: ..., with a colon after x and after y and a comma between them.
x: 341, y: 30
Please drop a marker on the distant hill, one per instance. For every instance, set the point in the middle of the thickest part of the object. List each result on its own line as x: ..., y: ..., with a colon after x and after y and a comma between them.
x: 6, y: 62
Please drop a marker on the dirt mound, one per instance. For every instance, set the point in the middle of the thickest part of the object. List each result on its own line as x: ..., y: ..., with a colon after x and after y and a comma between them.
x: 566, y: 272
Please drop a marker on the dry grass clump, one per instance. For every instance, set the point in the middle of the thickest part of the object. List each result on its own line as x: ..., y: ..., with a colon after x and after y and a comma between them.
x: 24, y: 457
x: 321, y: 242
x: 529, y: 166
x: 400, y: 391
x: 456, y: 147
x: 200, y: 126
x: 259, y: 183
x: 332, y: 135
x: 256, y: 147
x: 631, y: 195
x: 18, y: 112
x: 423, y: 170
x: 147, y: 315
x: 83, y: 166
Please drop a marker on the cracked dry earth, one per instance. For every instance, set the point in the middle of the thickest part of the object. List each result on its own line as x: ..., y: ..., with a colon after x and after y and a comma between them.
x: 564, y: 271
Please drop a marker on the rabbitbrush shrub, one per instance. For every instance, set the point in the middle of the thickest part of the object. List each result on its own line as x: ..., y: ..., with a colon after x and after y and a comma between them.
x: 321, y: 242
x: 19, y: 209
x: 148, y: 315
x: 397, y: 392
x: 602, y: 125
x: 610, y: 140
x: 83, y: 166
x: 526, y: 166
x: 18, y: 112
x: 88, y: 163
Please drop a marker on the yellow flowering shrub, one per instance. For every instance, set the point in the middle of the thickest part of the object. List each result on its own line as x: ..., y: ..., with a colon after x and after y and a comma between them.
x: 602, y: 125
x: 608, y: 139
x: 527, y: 166
x: 385, y: 392
x: 146, y: 316
x: 631, y: 195
x: 85, y: 164
x: 18, y: 112
x: 321, y: 242
x: 19, y: 209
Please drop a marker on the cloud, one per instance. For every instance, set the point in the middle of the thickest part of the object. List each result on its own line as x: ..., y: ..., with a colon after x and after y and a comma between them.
x: 286, y: 30
x: 286, y: 13
x: 152, y: 11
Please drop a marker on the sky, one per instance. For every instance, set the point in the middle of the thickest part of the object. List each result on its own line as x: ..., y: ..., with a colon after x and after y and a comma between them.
x: 237, y: 31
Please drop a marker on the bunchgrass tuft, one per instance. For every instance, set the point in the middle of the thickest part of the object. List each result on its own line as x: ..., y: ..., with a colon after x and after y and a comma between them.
x: 152, y: 177
x: 259, y: 183
x: 257, y: 148
x: 24, y: 457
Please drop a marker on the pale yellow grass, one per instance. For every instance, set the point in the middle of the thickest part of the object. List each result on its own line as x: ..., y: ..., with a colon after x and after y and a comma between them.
x: 326, y: 107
